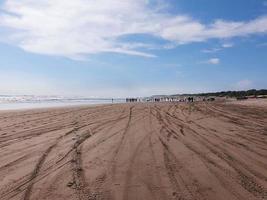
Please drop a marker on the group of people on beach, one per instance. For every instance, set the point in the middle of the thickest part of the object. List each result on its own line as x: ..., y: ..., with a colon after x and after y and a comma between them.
x: 190, y: 99
x: 131, y: 99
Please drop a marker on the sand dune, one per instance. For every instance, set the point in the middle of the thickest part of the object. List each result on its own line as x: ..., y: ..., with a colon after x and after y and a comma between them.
x: 200, y: 151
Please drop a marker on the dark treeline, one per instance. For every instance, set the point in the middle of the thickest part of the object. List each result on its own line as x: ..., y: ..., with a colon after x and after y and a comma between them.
x: 252, y: 92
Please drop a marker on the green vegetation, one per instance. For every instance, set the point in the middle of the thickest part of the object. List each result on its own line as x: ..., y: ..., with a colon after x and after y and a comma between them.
x: 252, y: 92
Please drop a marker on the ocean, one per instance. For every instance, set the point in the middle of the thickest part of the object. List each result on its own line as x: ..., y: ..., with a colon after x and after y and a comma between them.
x: 21, y: 102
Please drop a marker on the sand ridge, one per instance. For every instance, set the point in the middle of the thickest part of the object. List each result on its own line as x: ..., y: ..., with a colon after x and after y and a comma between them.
x: 200, y: 151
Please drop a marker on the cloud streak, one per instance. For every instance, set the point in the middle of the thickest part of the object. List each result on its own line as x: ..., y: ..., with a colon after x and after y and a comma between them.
x: 214, y: 61
x: 214, y: 50
x: 83, y: 27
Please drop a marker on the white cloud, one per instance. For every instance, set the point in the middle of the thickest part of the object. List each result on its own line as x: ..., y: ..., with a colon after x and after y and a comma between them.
x: 213, y: 50
x: 244, y: 84
x: 227, y: 45
x: 213, y: 61
x: 77, y: 28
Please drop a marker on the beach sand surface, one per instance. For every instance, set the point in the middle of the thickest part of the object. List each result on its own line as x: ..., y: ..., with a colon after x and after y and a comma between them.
x: 142, y: 151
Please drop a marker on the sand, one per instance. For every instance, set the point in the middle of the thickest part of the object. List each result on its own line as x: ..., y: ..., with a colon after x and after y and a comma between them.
x: 251, y: 102
x: 211, y: 151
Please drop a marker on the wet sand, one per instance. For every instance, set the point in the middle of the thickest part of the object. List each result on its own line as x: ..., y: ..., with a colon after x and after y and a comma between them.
x: 200, y: 151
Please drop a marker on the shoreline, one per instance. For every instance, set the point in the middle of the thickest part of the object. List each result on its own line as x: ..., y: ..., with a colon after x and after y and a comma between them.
x: 39, y: 106
x: 31, y: 106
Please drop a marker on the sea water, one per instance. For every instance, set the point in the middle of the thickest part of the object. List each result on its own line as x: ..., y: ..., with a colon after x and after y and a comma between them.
x: 17, y: 102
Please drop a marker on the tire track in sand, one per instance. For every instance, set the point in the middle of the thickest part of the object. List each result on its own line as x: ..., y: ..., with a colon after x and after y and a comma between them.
x: 79, y: 180
x: 39, y: 164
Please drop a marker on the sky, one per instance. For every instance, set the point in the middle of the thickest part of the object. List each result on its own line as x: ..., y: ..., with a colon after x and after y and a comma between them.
x: 114, y: 48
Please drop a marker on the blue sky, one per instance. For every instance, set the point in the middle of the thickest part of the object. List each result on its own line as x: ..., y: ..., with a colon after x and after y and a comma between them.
x: 113, y: 48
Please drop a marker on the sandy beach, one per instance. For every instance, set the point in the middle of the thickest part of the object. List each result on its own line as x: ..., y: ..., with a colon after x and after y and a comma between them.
x: 144, y: 151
